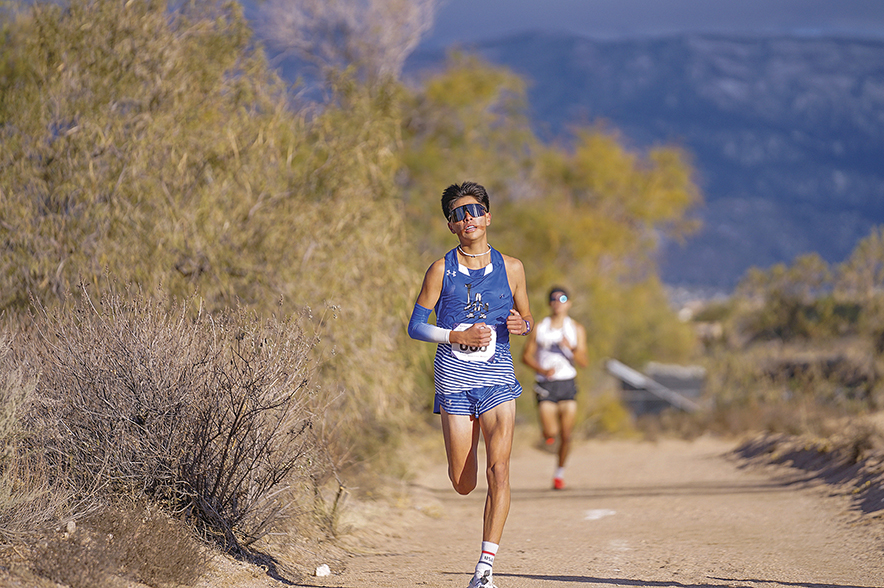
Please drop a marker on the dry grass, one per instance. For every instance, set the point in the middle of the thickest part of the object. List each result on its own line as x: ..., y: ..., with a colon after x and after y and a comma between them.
x: 30, y: 498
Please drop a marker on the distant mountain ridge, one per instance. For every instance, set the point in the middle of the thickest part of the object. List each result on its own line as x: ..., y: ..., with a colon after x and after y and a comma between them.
x: 787, y: 133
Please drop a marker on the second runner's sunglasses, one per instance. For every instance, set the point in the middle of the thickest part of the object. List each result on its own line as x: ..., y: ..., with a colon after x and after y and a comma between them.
x: 460, y: 213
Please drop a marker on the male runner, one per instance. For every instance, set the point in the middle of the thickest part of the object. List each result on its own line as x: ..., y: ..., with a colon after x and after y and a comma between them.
x: 552, y: 350
x: 479, y: 296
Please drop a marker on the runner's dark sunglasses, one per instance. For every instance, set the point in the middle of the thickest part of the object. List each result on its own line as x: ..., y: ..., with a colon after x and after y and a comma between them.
x: 460, y: 213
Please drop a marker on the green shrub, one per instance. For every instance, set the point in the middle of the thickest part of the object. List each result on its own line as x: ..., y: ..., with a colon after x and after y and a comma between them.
x: 154, y: 144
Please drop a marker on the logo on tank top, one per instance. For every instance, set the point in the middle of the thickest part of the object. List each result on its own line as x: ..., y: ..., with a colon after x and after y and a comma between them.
x: 476, y: 309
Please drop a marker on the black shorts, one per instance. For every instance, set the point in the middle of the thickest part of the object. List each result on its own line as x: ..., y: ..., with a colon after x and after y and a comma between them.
x: 555, y: 390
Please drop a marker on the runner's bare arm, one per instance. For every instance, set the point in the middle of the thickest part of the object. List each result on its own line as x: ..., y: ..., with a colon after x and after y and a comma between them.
x: 432, y: 286
x: 580, y: 357
x: 520, y: 321
x: 529, y: 356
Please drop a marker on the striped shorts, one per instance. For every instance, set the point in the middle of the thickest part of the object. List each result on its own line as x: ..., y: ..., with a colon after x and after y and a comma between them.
x: 476, y: 401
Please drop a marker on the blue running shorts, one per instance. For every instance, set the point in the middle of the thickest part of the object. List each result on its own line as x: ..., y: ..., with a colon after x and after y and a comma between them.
x: 476, y: 401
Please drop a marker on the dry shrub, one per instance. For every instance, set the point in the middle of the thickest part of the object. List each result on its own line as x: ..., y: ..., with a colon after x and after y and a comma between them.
x: 28, y: 498
x: 789, y: 388
x: 118, y: 545
x: 206, y: 414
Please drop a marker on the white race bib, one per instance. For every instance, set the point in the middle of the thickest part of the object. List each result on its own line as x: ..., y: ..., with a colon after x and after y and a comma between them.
x: 467, y: 353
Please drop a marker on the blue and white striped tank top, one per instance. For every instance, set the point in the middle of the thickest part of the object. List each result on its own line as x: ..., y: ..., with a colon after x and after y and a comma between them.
x: 469, y: 297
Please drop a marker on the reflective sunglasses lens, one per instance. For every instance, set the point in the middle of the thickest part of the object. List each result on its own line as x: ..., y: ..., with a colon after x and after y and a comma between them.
x: 460, y: 213
x: 561, y: 298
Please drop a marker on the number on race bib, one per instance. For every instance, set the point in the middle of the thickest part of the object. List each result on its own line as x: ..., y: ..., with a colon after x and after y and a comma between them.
x: 471, y: 349
x: 470, y: 353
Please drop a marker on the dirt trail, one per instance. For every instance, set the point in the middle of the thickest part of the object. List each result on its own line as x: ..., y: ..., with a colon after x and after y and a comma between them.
x: 668, y: 514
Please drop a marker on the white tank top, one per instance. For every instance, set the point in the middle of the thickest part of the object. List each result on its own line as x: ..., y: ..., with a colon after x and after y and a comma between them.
x: 550, y: 354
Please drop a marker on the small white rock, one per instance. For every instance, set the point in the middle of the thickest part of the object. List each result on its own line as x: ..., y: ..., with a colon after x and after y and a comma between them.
x: 323, y: 570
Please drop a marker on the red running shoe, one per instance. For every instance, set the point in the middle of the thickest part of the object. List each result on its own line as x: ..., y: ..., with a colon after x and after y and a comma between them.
x: 558, y: 484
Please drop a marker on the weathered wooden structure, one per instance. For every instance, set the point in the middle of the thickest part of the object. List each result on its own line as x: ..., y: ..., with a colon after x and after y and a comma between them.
x: 661, y: 387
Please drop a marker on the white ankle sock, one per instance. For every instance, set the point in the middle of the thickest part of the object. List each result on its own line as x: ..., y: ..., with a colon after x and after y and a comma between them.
x: 560, y: 473
x: 486, y: 559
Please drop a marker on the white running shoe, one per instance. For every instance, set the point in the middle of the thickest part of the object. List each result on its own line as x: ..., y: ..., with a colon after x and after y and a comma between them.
x: 483, y: 581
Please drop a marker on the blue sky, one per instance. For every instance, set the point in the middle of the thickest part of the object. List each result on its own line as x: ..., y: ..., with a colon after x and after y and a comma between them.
x: 465, y: 21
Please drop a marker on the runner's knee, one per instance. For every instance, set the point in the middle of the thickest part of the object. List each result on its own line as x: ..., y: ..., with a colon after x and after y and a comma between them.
x: 498, y: 474
x: 463, y: 484
x: 463, y: 487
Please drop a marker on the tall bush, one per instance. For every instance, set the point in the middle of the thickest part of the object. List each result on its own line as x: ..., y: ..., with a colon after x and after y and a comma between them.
x: 156, y: 146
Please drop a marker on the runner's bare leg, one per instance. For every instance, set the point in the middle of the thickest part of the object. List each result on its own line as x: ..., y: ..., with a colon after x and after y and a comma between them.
x: 497, y: 427
x: 549, y: 418
x: 567, y: 417
x: 461, y: 435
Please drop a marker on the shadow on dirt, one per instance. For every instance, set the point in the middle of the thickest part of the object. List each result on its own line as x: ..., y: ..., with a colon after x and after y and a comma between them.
x: 852, y: 461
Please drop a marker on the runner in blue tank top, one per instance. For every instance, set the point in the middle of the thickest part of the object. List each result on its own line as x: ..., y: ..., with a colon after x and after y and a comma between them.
x: 480, y: 299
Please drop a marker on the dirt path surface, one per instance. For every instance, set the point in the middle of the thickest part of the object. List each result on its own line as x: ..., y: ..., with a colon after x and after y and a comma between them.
x: 667, y: 514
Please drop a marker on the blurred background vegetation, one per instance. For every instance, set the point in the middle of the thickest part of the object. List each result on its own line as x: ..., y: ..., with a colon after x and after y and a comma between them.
x: 159, y: 180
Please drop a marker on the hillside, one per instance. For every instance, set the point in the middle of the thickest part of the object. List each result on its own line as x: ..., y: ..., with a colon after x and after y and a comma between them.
x: 787, y: 134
